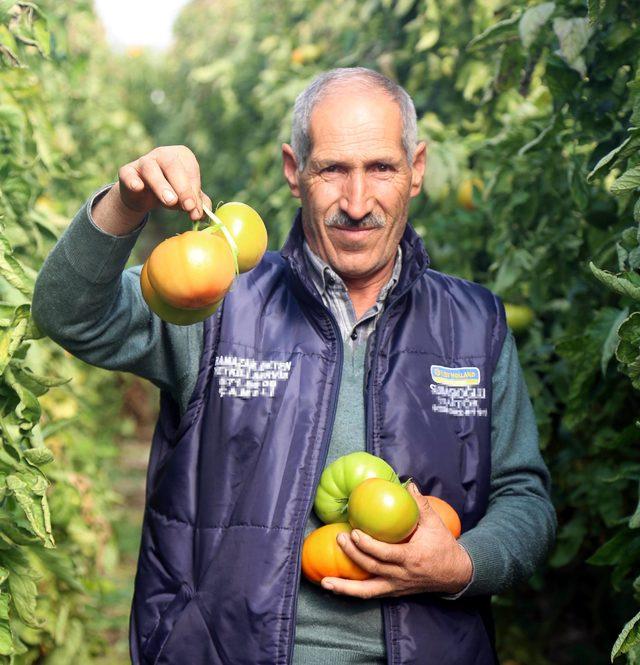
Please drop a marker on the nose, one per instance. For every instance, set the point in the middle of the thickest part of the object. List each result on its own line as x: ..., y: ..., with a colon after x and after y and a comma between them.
x: 356, y: 200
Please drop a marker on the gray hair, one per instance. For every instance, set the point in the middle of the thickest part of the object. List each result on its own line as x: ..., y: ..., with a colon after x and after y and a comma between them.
x: 314, y: 92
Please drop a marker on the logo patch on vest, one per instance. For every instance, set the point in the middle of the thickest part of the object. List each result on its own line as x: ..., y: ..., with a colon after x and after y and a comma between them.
x: 457, y: 391
x: 455, y: 376
x: 247, y: 377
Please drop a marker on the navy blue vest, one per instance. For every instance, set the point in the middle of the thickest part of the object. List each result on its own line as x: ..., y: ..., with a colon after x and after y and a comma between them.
x: 231, y: 483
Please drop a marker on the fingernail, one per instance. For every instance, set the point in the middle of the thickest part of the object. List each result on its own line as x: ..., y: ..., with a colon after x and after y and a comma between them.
x: 327, y: 585
x: 356, y: 536
x: 189, y: 203
x: 168, y: 196
x: 135, y: 184
x: 342, y: 539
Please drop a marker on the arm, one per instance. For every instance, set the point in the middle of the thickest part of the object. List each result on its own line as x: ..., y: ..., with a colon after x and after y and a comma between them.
x: 86, y: 302
x: 90, y: 305
x: 509, y: 542
x: 518, y: 530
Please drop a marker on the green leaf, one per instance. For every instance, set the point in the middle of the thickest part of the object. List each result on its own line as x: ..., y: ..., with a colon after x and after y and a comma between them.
x: 628, y: 638
x: 619, y: 284
x: 613, y: 550
x: 630, y: 179
x: 39, y: 456
x: 24, y: 594
x: 532, y: 21
x: 496, y: 34
x: 11, y: 337
x: 6, y: 638
x: 624, y: 150
x: 610, y: 344
x: 36, y: 514
x: 573, y: 35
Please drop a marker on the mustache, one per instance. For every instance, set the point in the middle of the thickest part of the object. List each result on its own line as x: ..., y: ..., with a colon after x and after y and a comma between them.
x: 342, y: 220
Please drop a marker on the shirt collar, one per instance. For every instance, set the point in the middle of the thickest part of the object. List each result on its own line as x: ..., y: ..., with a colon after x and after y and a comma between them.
x: 324, y: 277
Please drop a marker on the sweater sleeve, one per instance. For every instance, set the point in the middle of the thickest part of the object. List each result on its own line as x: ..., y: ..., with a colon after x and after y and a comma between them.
x: 518, y: 530
x: 86, y: 301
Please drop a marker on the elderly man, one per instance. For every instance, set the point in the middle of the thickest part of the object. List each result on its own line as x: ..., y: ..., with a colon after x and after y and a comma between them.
x: 368, y: 349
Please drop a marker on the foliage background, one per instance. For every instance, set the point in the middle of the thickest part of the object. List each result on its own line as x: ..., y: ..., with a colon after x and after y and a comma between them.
x: 538, y: 101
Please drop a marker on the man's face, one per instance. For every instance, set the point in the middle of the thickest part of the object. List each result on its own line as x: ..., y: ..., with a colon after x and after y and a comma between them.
x: 356, y: 185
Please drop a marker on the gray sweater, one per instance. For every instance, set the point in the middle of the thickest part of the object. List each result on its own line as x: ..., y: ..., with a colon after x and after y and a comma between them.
x: 87, y: 301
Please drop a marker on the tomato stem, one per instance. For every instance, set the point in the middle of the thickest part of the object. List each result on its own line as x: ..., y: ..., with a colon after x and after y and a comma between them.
x: 218, y: 225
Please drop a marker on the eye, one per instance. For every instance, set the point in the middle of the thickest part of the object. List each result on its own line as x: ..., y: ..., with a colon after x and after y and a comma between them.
x: 382, y: 167
x: 332, y: 168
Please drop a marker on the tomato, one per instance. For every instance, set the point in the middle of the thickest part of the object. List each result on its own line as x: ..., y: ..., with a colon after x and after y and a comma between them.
x: 383, y: 509
x: 323, y: 557
x: 519, y: 317
x: 191, y: 270
x: 181, y: 317
x: 465, y: 192
x: 247, y: 229
x: 447, y: 514
x: 341, y: 477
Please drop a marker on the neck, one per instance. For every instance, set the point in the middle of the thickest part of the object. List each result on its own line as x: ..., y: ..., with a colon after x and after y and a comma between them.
x: 364, y: 291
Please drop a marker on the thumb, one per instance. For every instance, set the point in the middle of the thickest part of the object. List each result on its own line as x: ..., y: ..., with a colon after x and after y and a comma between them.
x: 426, y: 511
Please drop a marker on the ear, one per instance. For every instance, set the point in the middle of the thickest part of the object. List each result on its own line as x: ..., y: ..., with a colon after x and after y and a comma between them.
x: 290, y: 169
x: 418, y: 167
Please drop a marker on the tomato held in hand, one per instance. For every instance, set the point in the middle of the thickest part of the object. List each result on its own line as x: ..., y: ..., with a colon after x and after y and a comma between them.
x: 447, y: 514
x: 180, y: 317
x: 383, y: 509
x: 341, y: 477
x: 323, y: 557
x: 247, y: 230
x: 191, y: 270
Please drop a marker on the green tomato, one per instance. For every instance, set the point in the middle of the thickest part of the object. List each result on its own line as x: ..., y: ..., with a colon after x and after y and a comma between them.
x: 519, y: 317
x: 384, y: 510
x: 341, y: 477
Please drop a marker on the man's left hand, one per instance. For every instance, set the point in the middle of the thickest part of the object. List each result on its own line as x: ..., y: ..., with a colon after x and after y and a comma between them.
x: 430, y: 561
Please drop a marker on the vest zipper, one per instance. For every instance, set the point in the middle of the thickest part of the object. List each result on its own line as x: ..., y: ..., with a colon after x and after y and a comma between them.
x: 386, y: 612
x: 337, y: 379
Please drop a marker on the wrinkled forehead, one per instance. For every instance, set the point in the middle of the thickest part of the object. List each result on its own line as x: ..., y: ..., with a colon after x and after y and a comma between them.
x: 355, y: 115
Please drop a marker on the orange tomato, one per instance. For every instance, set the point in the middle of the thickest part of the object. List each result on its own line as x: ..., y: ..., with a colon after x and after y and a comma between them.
x: 447, y: 514
x: 323, y: 557
x: 181, y: 317
x: 191, y: 270
x: 247, y: 229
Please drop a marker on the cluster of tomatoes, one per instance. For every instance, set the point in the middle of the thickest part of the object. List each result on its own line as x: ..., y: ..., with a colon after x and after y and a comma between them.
x: 186, y: 277
x: 361, y: 491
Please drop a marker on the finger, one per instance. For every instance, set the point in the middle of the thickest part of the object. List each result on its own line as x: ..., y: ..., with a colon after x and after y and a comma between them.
x: 129, y: 179
x: 388, y: 552
x: 366, y: 561
x: 371, y: 588
x: 192, y: 169
x: 183, y: 176
x: 153, y: 177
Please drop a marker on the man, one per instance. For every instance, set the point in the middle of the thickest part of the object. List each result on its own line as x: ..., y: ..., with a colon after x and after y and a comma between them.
x: 363, y: 347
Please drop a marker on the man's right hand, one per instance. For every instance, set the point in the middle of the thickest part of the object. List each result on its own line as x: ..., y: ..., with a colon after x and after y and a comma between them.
x: 168, y: 176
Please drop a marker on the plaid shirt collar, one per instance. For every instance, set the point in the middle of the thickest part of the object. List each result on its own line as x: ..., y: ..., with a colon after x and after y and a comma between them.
x: 335, y: 296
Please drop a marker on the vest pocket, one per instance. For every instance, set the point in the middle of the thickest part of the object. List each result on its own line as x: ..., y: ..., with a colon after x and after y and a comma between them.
x: 166, y: 622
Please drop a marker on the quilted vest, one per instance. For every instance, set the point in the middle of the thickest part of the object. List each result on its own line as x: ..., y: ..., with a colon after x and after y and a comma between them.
x: 230, y: 482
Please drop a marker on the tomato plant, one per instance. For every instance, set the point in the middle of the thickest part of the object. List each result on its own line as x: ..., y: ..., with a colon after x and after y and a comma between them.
x: 323, y: 557
x: 383, y: 509
x: 246, y: 228
x: 191, y: 270
x: 341, y: 477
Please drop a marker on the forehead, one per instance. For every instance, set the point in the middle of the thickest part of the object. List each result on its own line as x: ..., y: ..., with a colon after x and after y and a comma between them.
x: 354, y: 119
